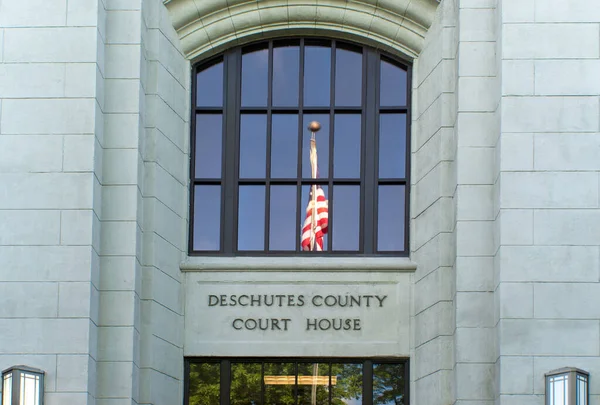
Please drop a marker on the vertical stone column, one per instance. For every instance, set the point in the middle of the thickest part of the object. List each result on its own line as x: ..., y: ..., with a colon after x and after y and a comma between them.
x: 549, y: 223
x: 120, y: 321
x: 51, y: 138
x: 477, y: 133
x: 432, y: 210
x: 165, y: 201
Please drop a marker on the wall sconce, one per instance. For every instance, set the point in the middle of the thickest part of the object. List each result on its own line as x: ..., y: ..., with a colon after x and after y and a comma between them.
x: 567, y: 386
x: 22, y: 385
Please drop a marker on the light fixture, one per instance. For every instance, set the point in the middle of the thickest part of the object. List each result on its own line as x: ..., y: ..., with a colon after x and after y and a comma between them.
x: 302, y: 380
x: 567, y: 386
x: 22, y: 385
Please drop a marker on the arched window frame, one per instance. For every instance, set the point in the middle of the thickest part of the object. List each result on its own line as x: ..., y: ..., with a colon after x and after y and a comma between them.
x: 369, y: 180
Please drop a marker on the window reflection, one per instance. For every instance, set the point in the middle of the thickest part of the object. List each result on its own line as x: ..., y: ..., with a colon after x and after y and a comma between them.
x: 286, y: 65
x: 348, y: 387
x: 306, y: 195
x: 207, y: 217
x: 255, y: 70
x: 209, y: 86
x: 253, y: 145
x: 346, y: 145
x: 393, y: 85
x: 299, y: 383
x: 260, y: 146
x: 251, y: 218
x: 246, y: 384
x: 280, y: 391
x: 204, y: 383
x: 346, y: 217
x: 322, y: 146
x: 209, y: 143
x: 392, y: 145
x: 317, y: 75
x: 390, y: 224
x: 313, y: 384
x: 282, y: 222
x: 388, y: 384
x: 284, y: 145
x: 348, y: 77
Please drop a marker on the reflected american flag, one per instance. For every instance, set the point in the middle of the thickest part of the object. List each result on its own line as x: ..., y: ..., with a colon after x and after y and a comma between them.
x: 320, y: 221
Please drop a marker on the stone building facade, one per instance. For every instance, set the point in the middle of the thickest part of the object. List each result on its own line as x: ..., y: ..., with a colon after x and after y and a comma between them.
x: 503, y: 277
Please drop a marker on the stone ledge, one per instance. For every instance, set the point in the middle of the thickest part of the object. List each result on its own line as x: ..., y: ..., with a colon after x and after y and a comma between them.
x: 285, y: 264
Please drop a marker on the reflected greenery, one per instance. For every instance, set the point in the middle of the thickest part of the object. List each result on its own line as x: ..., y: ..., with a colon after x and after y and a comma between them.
x: 388, y: 384
x: 349, y: 383
x: 204, y: 383
x: 280, y: 394
x: 247, y: 386
x: 306, y: 392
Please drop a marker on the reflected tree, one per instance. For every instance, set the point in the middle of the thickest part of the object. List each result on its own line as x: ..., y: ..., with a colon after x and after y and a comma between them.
x: 388, y: 384
x: 204, y: 383
x: 248, y: 384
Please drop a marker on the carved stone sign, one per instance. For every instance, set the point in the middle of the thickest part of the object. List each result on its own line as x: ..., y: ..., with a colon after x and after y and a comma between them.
x: 296, y: 300
x: 223, y: 318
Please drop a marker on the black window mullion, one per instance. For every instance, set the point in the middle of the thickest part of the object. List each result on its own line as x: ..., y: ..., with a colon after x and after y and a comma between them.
x: 225, y: 382
x: 232, y: 153
x: 330, y: 212
x: 368, y: 382
x: 192, y: 163
x: 268, y: 185
x: 370, y: 152
x: 262, y: 382
x: 299, y: 211
x: 408, y: 160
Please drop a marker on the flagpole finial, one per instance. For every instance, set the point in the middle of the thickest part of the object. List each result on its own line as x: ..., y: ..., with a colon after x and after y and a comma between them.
x: 314, y: 126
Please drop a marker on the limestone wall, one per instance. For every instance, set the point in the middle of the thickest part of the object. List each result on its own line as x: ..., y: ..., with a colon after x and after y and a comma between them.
x: 52, y: 68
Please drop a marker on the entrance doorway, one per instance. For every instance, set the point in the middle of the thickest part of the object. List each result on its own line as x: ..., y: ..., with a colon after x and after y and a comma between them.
x: 283, y: 381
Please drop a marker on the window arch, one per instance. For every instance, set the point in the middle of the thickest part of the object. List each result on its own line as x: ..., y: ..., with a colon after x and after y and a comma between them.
x: 253, y: 188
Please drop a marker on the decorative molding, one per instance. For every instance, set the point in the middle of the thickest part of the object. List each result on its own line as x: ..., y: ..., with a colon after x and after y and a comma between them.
x: 299, y: 264
x: 206, y: 27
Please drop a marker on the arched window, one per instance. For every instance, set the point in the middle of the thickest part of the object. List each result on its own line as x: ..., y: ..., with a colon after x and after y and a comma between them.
x: 255, y: 190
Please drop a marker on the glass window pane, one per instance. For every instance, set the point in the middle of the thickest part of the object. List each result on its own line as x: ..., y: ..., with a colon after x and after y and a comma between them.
x: 390, y: 224
x: 392, y: 85
x: 322, y: 146
x: 392, y: 146
x: 284, y: 145
x: 348, y: 78
x: 306, y: 212
x: 204, y: 387
x: 251, y: 218
x: 286, y: 74
x: 346, y: 146
x: 282, y: 222
x: 313, y: 384
x: 317, y: 76
x: 209, y: 143
x: 207, y: 217
x: 347, y: 387
x: 280, y: 384
x: 346, y: 217
x: 209, y: 86
x: 246, y: 384
x: 7, y: 389
x: 253, y: 145
x: 255, y: 70
x: 388, y: 384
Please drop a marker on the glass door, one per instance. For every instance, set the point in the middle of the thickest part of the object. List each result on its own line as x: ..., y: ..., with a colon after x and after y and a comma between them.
x: 296, y: 382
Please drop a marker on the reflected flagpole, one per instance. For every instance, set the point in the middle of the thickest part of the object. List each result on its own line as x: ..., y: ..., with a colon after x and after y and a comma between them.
x: 314, y: 127
x: 314, y: 384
